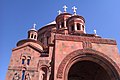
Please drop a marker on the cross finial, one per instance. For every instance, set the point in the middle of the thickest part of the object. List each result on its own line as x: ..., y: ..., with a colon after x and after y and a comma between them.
x: 74, y: 10
x: 95, y: 32
x: 65, y: 7
x: 34, y: 25
x: 59, y: 12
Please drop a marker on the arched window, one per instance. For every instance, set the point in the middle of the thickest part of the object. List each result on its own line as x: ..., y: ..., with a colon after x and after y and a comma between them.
x: 35, y: 37
x: 62, y: 24
x: 23, y: 59
x: 82, y: 27
x: 28, y: 35
x: 78, y: 26
x: 28, y: 60
x: 23, y: 74
x: 32, y: 36
x: 72, y: 28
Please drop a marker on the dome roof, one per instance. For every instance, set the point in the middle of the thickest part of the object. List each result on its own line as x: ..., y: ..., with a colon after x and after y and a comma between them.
x: 33, y: 28
x: 76, y: 16
x: 48, y: 25
x: 53, y: 22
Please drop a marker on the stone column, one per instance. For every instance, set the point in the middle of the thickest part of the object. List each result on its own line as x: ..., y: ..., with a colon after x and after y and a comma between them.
x: 48, y: 76
x: 49, y: 73
x: 75, y: 26
x: 69, y: 28
x: 81, y: 28
x: 65, y: 24
x: 84, y: 30
x: 59, y: 24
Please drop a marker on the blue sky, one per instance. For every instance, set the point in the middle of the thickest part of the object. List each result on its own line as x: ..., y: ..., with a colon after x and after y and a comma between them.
x: 18, y: 16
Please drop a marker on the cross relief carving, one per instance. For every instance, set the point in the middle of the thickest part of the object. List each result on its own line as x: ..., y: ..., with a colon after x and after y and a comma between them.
x: 87, y: 44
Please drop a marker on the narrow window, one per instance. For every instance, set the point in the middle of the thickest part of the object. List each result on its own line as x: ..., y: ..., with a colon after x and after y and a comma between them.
x: 35, y: 37
x: 83, y: 27
x: 23, y: 74
x: 28, y: 35
x: 32, y: 36
x: 23, y: 61
x: 62, y: 25
x: 58, y: 26
x: 78, y: 26
x: 28, y: 60
x: 72, y: 28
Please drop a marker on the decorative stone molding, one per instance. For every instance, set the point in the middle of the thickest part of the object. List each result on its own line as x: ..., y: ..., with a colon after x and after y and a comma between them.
x: 87, y: 44
x: 86, y: 39
x: 21, y: 67
x: 43, y: 63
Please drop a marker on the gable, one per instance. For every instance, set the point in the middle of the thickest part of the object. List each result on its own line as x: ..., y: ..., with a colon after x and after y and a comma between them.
x: 36, y: 48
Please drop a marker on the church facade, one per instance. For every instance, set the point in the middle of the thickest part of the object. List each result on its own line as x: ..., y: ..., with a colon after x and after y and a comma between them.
x: 62, y: 50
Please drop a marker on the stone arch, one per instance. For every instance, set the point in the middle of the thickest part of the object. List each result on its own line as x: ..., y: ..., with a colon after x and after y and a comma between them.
x: 45, y: 66
x: 92, y: 55
x: 46, y: 69
x: 24, y: 68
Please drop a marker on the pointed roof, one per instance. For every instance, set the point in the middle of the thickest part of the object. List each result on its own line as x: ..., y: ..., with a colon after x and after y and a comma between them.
x: 30, y: 45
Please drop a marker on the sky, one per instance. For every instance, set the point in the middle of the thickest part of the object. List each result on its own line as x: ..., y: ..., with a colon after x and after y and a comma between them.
x: 18, y: 16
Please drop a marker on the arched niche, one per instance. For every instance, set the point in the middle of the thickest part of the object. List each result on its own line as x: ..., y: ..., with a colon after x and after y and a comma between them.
x: 87, y: 70
x: 45, y: 71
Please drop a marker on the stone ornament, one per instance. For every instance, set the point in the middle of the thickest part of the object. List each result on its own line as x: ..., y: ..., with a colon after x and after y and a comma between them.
x: 41, y: 74
x: 16, y: 76
x: 27, y: 77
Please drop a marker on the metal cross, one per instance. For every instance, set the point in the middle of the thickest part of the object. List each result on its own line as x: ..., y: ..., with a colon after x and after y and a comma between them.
x: 59, y: 12
x: 34, y: 25
x: 95, y: 32
x: 74, y: 10
x: 65, y: 7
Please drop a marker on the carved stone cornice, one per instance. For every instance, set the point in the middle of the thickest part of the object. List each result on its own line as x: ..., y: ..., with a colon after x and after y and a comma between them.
x: 87, y: 44
x: 44, y: 62
x: 86, y: 39
x: 14, y: 67
x: 21, y: 67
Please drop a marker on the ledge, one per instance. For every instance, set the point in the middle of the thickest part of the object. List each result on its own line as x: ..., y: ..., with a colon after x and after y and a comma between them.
x: 83, y: 38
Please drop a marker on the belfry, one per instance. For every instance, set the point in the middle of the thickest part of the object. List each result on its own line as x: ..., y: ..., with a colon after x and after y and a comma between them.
x: 63, y: 50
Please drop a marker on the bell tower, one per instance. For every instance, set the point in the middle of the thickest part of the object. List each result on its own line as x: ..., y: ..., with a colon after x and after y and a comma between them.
x: 32, y: 33
x: 76, y: 23
x: 67, y: 23
x: 61, y: 21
